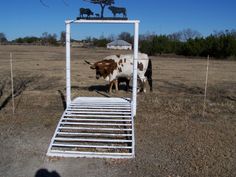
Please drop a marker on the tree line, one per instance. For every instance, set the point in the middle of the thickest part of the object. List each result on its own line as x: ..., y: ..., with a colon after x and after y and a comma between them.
x: 45, y: 39
x: 190, y: 43
x: 187, y: 42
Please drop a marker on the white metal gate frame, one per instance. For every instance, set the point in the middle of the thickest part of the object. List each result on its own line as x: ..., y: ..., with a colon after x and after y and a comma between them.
x: 110, y: 111
x: 135, y: 59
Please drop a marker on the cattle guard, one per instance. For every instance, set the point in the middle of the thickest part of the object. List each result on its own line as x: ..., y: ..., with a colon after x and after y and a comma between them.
x: 96, y: 126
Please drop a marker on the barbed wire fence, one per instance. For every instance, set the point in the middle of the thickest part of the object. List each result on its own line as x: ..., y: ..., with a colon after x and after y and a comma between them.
x: 172, y: 77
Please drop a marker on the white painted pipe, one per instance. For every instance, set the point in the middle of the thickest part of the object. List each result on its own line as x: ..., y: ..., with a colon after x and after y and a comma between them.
x: 106, y: 21
x: 135, y: 66
x: 68, y: 74
x: 136, y: 36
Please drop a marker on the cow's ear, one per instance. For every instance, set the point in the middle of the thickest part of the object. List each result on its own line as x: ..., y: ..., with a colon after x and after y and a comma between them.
x: 93, y: 67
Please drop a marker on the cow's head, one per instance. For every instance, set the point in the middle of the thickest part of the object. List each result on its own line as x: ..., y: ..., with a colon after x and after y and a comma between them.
x: 103, y: 68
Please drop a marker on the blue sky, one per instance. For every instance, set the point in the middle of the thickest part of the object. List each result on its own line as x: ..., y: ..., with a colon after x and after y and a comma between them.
x: 19, y: 18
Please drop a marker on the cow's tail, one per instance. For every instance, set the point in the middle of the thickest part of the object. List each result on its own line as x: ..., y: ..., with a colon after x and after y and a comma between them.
x: 148, y: 73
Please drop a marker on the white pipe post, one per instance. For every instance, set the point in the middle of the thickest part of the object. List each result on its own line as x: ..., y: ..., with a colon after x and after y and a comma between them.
x: 135, y: 66
x: 68, y: 74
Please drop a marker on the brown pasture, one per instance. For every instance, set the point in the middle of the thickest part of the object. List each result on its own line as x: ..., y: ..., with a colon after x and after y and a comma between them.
x: 172, y: 137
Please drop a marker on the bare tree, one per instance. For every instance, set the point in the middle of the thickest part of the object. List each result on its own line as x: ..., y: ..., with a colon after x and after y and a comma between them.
x: 126, y: 36
x: 43, y: 3
x: 177, y: 36
x: 3, y: 37
x: 46, y: 5
x: 102, y: 3
x: 111, y: 37
x: 184, y: 35
x: 190, y: 34
x: 49, y: 39
x: 63, y: 38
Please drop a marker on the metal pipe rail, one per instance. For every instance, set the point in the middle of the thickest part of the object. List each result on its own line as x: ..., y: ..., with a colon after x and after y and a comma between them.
x: 91, y: 125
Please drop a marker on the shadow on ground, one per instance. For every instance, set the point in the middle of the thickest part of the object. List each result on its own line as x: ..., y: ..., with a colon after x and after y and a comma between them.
x: 46, y: 173
x: 98, y: 88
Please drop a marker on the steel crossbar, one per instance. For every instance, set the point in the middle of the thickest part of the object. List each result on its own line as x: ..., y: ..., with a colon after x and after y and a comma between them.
x: 104, y: 133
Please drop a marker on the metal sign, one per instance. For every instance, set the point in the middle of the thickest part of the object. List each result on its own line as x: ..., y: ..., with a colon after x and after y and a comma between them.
x: 119, y: 13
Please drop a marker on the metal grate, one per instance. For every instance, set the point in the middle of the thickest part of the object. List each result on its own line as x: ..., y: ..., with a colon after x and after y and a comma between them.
x: 95, y: 127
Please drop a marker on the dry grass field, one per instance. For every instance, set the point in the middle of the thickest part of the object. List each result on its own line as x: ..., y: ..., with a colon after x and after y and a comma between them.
x: 172, y: 137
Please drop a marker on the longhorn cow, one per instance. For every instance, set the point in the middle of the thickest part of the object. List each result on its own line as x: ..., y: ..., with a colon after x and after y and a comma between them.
x: 117, y: 67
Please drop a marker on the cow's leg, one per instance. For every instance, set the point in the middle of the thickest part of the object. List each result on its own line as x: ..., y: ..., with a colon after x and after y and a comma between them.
x: 139, y: 85
x: 127, y: 84
x: 119, y: 84
x: 116, y: 84
x: 110, y: 86
x: 143, y: 84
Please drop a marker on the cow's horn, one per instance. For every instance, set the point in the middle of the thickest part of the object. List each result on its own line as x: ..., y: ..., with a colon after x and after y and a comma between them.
x: 89, y: 63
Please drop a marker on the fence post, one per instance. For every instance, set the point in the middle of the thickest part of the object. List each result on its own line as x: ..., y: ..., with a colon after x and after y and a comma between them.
x: 12, y: 86
x: 205, y: 91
